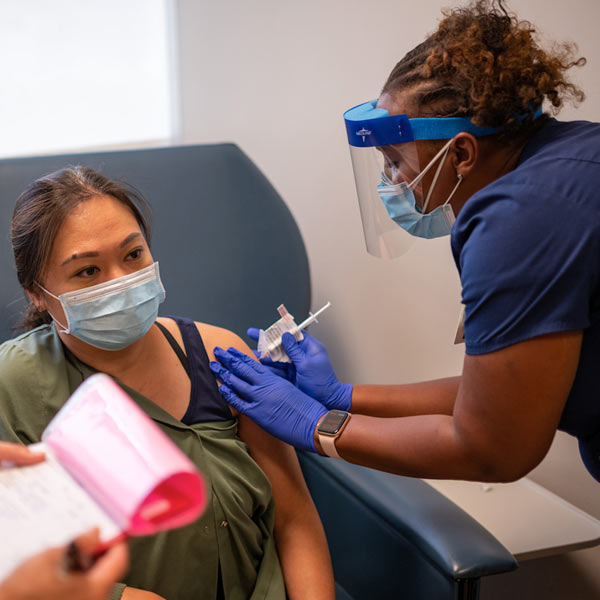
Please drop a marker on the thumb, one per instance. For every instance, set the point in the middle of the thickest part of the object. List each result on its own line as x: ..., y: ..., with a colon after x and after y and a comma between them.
x: 88, y: 542
x: 111, y: 566
x: 291, y: 347
x: 253, y: 333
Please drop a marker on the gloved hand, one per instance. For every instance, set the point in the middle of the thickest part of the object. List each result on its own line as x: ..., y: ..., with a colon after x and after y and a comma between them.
x: 314, y: 374
x: 310, y: 370
x: 271, y: 401
x: 285, y: 370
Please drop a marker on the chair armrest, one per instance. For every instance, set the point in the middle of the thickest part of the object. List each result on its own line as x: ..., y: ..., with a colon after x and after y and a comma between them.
x: 431, y: 524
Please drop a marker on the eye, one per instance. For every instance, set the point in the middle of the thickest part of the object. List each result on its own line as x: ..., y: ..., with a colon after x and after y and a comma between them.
x: 87, y: 272
x: 135, y: 254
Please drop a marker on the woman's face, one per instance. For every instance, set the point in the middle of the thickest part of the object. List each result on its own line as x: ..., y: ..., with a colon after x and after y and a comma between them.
x: 99, y: 240
x: 415, y: 156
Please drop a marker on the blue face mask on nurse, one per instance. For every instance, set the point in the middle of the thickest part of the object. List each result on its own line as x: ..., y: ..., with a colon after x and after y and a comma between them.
x: 400, y: 203
x: 406, y: 173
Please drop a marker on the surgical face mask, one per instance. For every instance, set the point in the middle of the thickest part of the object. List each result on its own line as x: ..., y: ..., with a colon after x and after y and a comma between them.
x: 114, y: 314
x: 399, y: 201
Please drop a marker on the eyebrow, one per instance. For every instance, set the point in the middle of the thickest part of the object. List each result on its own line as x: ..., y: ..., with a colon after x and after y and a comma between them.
x: 77, y: 255
x: 129, y: 238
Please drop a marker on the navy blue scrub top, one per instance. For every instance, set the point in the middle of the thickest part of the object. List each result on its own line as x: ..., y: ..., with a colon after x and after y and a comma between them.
x: 527, y: 248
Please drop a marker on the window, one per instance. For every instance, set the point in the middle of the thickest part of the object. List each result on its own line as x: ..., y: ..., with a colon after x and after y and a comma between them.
x: 81, y: 74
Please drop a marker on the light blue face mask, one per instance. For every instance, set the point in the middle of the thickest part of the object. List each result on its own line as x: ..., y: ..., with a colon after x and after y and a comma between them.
x: 399, y: 201
x: 114, y: 314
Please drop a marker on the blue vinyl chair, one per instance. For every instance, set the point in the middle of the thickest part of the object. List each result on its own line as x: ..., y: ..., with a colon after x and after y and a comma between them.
x: 230, y: 253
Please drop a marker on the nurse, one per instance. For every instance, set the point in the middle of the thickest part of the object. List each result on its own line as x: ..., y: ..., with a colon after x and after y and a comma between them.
x: 463, y: 143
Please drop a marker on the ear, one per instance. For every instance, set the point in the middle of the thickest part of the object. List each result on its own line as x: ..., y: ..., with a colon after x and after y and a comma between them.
x: 464, y: 153
x: 37, y: 300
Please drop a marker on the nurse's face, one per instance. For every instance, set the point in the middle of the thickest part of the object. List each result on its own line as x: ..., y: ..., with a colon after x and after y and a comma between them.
x: 411, y: 158
x: 99, y: 240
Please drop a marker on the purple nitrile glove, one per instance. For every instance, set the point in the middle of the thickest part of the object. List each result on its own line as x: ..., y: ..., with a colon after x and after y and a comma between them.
x: 314, y: 374
x: 272, y: 402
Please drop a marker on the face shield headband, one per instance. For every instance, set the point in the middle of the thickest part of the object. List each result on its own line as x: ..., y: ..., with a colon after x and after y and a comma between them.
x: 384, y: 156
x: 369, y: 126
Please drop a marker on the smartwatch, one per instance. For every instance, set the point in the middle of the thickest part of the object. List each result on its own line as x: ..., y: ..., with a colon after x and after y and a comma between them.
x: 330, y: 428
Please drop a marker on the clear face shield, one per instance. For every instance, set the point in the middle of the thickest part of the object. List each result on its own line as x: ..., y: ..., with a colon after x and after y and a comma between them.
x: 394, y: 207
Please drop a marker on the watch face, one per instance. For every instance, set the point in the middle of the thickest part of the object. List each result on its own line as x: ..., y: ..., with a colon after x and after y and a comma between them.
x: 333, y: 421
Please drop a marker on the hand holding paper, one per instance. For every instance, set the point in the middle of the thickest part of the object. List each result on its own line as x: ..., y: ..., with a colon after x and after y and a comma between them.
x: 42, y: 576
x: 107, y: 465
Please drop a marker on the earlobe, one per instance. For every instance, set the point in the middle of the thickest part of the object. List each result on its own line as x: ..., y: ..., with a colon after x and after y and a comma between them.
x: 36, y: 300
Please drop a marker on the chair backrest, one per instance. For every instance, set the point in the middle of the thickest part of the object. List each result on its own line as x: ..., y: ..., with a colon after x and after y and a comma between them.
x: 229, y: 249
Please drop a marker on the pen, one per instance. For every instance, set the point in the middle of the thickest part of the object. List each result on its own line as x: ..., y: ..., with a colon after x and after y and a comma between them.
x: 74, y: 560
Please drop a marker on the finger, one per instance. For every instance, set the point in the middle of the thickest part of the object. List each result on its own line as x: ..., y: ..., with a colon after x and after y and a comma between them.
x: 239, y: 386
x: 243, y: 359
x: 53, y: 557
x: 311, y: 345
x: 88, y: 542
x: 242, y: 370
x: 291, y: 347
x: 233, y: 399
x: 111, y: 566
x: 278, y: 368
x: 20, y: 455
x: 224, y: 357
x: 267, y: 360
x: 253, y: 333
x: 238, y: 363
x: 219, y: 371
x: 274, y: 365
x: 306, y: 337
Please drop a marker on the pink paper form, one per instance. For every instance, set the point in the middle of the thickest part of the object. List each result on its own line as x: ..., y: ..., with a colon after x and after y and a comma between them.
x: 124, y: 460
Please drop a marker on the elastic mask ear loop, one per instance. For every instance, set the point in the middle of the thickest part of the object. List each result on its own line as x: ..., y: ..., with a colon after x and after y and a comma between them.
x: 435, y: 177
x: 64, y: 329
x: 460, y: 178
x: 417, y: 179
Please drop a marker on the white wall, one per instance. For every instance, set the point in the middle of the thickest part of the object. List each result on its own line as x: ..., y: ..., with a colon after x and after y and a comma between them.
x: 275, y: 77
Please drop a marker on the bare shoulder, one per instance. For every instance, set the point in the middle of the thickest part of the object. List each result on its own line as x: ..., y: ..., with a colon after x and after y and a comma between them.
x: 213, y: 336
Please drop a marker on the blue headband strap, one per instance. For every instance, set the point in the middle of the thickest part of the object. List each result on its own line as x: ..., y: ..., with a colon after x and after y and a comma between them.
x: 368, y: 126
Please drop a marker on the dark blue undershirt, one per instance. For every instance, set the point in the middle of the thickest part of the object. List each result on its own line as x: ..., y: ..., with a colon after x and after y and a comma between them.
x: 206, y: 404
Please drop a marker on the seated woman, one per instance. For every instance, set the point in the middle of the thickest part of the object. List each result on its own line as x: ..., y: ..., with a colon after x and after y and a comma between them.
x: 81, y: 246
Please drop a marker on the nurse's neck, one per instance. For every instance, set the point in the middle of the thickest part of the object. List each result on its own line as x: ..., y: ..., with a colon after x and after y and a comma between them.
x: 491, y: 161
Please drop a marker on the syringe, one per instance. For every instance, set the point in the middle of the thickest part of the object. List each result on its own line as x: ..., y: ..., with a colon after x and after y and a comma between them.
x: 269, y: 342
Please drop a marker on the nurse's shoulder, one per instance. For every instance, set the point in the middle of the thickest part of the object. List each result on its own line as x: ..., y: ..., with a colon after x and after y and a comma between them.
x: 559, y: 143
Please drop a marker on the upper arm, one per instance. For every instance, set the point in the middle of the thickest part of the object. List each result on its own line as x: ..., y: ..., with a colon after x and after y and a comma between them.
x: 277, y: 459
x: 510, y: 401
x: 529, y: 261
x: 20, y: 420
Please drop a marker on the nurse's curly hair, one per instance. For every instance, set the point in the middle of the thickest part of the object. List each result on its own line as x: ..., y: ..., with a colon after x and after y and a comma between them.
x: 484, y: 63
